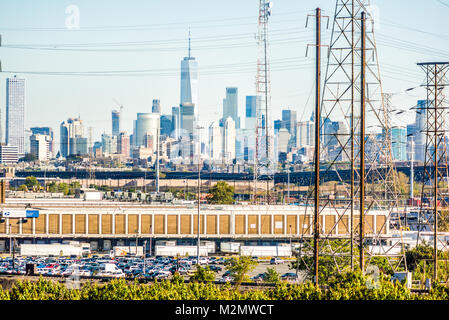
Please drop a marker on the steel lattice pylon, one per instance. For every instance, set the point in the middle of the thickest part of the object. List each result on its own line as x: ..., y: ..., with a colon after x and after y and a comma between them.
x: 264, y: 144
x: 340, y: 131
x: 435, y: 185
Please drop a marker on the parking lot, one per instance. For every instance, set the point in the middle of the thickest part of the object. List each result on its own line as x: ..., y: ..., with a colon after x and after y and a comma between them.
x: 150, y: 268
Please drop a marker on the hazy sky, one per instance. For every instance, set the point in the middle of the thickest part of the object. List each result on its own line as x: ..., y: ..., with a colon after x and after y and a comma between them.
x: 152, y: 35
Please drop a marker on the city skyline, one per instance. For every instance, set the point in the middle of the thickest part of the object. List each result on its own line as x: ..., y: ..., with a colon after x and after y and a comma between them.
x: 99, y: 97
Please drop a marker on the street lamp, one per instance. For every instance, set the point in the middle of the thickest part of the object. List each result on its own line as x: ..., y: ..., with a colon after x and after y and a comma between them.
x: 199, y: 192
x: 151, y: 239
x: 290, y: 236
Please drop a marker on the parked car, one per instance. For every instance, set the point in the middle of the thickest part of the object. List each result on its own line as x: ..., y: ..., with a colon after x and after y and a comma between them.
x: 225, y: 279
x: 276, y: 261
x: 215, y: 268
x: 260, y: 277
x: 289, y: 276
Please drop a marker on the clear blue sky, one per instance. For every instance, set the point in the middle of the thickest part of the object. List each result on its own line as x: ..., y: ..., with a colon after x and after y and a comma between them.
x: 222, y: 41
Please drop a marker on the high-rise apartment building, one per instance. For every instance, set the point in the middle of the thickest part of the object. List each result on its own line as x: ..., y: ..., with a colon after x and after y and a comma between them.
x: 15, y: 113
x: 123, y: 144
x: 40, y: 146
x: 48, y: 132
x: 109, y: 143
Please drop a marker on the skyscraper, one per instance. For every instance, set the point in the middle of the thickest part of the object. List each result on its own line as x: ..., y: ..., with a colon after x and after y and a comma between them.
x: 189, y: 80
x: 289, y: 123
x: 305, y: 134
x: 175, y: 122
x: 420, y: 130
x: 116, y: 127
x: 230, y: 106
x: 165, y: 125
x: 229, y: 135
x: 146, y: 124
x: 399, y: 143
x: 187, y: 113
x: 15, y: 113
x: 71, y: 131
x: 156, y: 106
x: 215, y: 142
x: 250, y: 112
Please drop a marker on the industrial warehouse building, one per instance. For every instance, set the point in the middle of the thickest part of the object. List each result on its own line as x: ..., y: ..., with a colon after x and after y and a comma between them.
x: 105, y: 224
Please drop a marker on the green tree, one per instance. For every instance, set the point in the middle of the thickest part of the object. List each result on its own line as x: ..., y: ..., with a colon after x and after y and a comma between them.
x: 203, y: 274
x: 272, y: 275
x: 64, y: 188
x: 221, y: 193
x: 403, y: 183
x: 52, y: 187
x: 239, y: 268
x: 23, y: 187
x: 32, y: 183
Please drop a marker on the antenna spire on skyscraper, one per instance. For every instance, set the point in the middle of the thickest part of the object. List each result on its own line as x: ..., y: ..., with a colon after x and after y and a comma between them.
x: 189, y: 43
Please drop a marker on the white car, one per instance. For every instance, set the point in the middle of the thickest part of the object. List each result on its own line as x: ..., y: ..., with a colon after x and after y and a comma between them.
x: 225, y: 279
x: 276, y: 261
x: 110, y: 273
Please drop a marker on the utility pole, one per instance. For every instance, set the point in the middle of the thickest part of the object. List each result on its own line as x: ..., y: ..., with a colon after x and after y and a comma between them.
x: 316, y: 222
x: 412, y: 160
x: 316, y: 237
x: 362, y: 145
x: 352, y: 191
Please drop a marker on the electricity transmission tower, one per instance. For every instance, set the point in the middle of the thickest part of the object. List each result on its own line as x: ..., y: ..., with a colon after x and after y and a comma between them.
x: 352, y: 79
x: 435, y: 182
x: 264, y: 151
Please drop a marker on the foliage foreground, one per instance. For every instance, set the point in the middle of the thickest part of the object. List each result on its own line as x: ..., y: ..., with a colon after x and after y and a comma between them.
x: 348, y: 286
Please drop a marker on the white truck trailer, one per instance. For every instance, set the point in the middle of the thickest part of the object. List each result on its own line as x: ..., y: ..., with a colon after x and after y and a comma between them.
x: 266, y: 251
x: 55, y: 249
x: 230, y: 247
x: 182, y: 251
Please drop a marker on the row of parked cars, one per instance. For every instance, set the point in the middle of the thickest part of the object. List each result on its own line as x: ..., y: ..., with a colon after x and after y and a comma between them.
x: 98, y: 266
x: 149, y: 268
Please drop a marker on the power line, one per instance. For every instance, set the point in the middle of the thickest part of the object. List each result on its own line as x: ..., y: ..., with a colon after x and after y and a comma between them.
x: 443, y: 3
x: 173, y: 25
